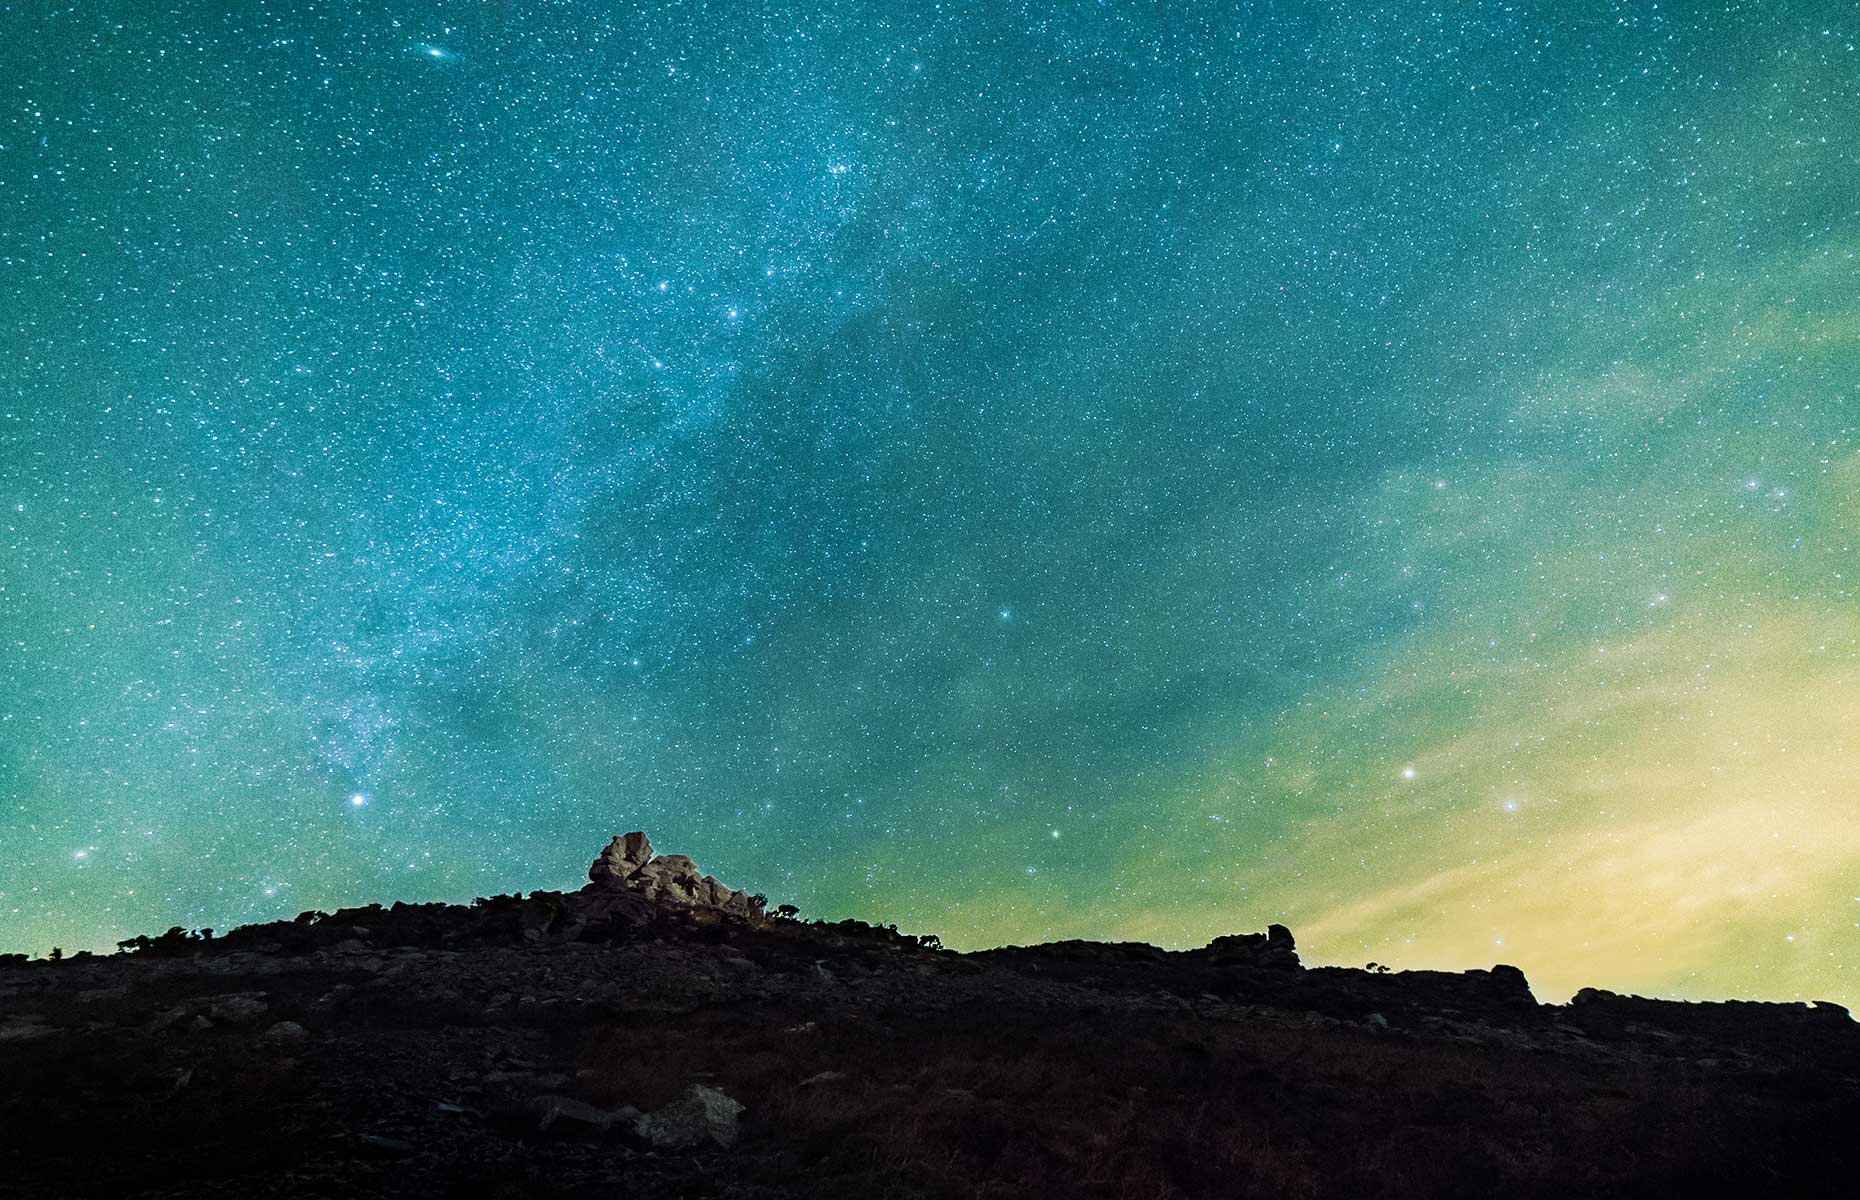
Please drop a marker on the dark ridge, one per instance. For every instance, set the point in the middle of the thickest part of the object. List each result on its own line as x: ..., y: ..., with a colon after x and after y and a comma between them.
x: 659, y: 1030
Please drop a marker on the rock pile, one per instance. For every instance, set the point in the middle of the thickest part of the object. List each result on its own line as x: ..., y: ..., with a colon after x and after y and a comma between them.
x: 629, y: 865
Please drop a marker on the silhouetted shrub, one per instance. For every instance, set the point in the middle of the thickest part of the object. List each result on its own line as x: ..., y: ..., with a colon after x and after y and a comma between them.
x: 176, y: 941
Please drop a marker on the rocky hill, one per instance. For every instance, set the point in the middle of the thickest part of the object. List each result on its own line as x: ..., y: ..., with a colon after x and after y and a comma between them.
x: 658, y: 1032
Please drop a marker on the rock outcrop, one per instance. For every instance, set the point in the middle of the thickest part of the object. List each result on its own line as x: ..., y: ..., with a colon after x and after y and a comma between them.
x: 628, y: 865
x: 1274, y: 948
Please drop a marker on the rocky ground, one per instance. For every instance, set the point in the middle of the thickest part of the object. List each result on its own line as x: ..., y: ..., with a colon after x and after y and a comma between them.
x: 571, y: 1045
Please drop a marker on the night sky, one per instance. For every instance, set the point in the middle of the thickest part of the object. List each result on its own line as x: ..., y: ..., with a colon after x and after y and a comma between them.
x: 1018, y: 470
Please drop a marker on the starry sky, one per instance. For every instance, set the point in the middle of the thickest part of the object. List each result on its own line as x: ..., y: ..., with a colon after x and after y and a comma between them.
x: 1018, y: 470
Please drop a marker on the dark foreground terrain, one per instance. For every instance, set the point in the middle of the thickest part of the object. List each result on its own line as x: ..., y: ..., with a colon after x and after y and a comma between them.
x: 617, y: 1042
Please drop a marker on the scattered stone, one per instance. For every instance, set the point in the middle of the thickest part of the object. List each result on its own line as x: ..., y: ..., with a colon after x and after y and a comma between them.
x: 386, y: 1147
x: 166, y: 1019
x: 200, y: 1024
x: 335, y: 995
x: 703, y: 1114
x: 23, y: 1029
x: 286, y: 1033
x: 565, y: 1112
x: 1376, y: 1021
x: 241, y: 1009
x: 534, y: 922
x: 527, y: 1079
x: 101, y: 994
x: 823, y: 1077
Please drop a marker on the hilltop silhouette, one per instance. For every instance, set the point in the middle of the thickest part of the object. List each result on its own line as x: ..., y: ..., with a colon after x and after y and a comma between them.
x: 658, y: 1032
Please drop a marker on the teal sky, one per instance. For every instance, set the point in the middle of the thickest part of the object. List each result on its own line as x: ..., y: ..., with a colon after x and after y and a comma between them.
x: 1014, y: 470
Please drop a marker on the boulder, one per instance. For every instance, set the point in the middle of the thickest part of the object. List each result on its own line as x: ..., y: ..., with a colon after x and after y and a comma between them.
x: 244, y: 1008
x: 286, y: 1033
x: 1507, y: 985
x: 671, y: 877
x: 703, y: 1115
x: 622, y: 858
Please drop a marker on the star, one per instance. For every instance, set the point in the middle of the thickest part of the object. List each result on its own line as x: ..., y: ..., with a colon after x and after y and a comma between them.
x: 365, y: 446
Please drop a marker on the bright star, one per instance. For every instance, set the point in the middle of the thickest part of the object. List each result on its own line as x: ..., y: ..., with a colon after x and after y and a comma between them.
x: 357, y: 800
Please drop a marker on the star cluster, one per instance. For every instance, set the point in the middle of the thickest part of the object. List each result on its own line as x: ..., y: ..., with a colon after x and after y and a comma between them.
x: 1018, y: 470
